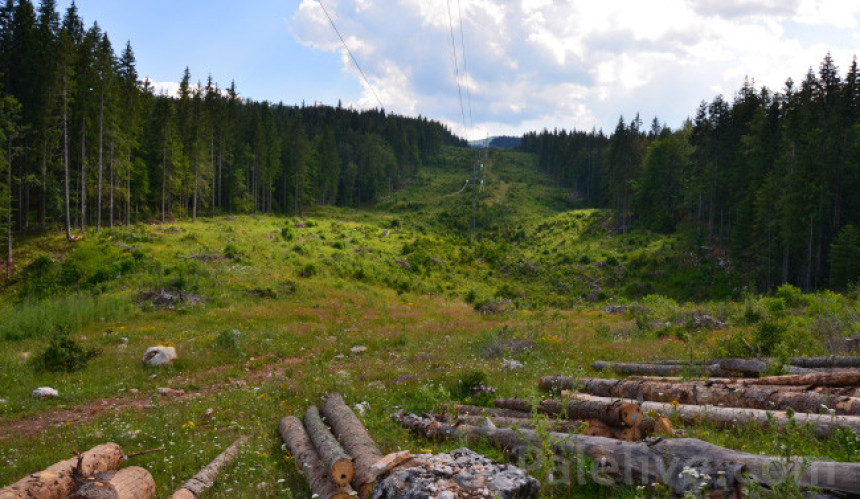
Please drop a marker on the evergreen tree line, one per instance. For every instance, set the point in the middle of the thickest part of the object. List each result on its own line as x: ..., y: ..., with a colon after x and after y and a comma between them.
x: 87, y: 144
x: 773, y: 178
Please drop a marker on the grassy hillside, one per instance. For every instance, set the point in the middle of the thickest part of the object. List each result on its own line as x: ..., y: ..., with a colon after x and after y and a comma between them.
x: 264, y: 312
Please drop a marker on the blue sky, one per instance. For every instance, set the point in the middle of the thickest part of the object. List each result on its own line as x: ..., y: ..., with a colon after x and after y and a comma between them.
x: 529, y: 64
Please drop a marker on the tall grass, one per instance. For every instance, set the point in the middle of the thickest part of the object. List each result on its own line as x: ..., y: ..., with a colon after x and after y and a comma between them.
x: 38, y: 319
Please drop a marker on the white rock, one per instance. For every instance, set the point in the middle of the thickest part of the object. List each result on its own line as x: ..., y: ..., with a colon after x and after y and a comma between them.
x: 358, y: 349
x: 45, y: 392
x: 23, y: 355
x: 512, y: 364
x: 124, y: 340
x: 158, y: 356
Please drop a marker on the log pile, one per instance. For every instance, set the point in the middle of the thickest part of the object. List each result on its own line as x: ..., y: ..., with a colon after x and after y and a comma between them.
x: 730, y: 366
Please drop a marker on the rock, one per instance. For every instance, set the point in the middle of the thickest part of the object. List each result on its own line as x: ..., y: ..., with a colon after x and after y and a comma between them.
x: 338, y: 356
x: 358, y: 349
x: 459, y: 473
x: 512, y: 364
x: 385, y: 233
x: 133, y: 391
x: 124, y: 340
x: 45, y: 392
x: 705, y: 321
x: 23, y: 356
x: 2, y: 401
x: 170, y: 392
x: 615, y: 309
x: 209, y: 413
x: 159, y: 355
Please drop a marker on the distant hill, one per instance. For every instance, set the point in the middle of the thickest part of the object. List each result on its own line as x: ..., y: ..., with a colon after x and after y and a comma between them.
x: 501, y: 142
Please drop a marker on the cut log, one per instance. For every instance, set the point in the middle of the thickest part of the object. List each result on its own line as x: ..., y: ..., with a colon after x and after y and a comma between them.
x: 205, y: 478
x: 309, y: 463
x: 834, y: 378
x: 756, y: 367
x: 355, y: 440
x: 564, y: 425
x: 753, y: 397
x: 492, y: 412
x: 390, y: 461
x: 656, y: 425
x: 133, y: 482
x: 57, y: 481
x: 620, y: 414
x: 825, y: 362
x: 629, y: 368
x: 665, y: 460
x: 597, y: 428
x: 338, y: 463
x: 633, y: 434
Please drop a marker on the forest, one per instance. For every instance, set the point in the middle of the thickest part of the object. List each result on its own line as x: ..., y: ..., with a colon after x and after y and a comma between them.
x: 88, y: 143
x: 770, y: 179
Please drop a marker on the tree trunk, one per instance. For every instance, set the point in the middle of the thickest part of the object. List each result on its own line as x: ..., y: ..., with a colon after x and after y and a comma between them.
x: 9, y: 259
x: 163, y: 181
x: 308, y: 461
x: 133, y: 482
x: 83, y: 174
x: 43, y: 198
x: 754, y: 397
x: 66, y: 155
x: 755, y: 367
x: 110, y: 211
x: 338, y: 464
x: 831, y: 379
x: 729, y: 417
x: 101, y: 155
x: 616, y: 414
x: 354, y: 438
x: 205, y: 478
x: 57, y: 481
x: 566, y: 426
x: 491, y: 412
x: 628, y: 368
x: 825, y: 362
x: 128, y: 190
x: 657, y: 425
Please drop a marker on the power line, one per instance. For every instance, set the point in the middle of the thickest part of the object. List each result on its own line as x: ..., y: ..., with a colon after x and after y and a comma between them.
x: 354, y: 61
x: 456, y: 65
x: 465, y: 69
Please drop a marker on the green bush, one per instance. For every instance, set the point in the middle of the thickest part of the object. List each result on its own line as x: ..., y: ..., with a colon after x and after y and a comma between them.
x: 768, y: 334
x: 64, y: 354
x: 227, y: 340
x: 792, y: 296
x: 288, y: 234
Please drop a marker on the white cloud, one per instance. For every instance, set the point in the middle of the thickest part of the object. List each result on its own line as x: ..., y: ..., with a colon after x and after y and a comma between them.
x: 576, y: 63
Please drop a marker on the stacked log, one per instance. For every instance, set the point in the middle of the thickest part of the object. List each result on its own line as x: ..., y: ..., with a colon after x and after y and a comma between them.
x: 132, y: 482
x: 355, y: 440
x: 729, y: 366
x: 308, y: 460
x: 205, y: 478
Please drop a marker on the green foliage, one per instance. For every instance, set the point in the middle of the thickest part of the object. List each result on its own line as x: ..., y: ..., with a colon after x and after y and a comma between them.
x: 37, y: 319
x: 288, y: 234
x: 791, y: 295
x: 232, y: 252
x: 227, y: 341
x: 64, y: 354
x: 472, y: 388
x: 845, y: 257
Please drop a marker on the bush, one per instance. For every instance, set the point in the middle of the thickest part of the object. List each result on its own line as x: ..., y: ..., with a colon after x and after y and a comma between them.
x: 288, y: 234
x: 472, y: 388
x: 227, y: 340
x: 64, y: 354
x: 232, y: 252
x: 791, y: 295
x: 768, y: 335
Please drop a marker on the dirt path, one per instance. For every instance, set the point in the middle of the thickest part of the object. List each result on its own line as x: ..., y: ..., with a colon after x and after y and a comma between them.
x: 88, y: 411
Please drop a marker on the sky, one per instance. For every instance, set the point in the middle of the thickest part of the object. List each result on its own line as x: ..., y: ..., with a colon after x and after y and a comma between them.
x: 521, y: 65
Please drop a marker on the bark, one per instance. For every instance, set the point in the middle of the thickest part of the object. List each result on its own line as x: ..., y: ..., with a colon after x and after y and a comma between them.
x: 308, y: 461
x: 656, y: 425
x: 696, y: 393
x: 824, y: 362
x: 355, y: 440
x: 9, y: 259
x: 829, y: 379
x: 205, y: 478
x: 66, y: 155
x: 492, y: 412
x: 628, y: 368
x: 565, y: 426
x: 755, y: 367
x: 101, y: 155
x: 664, y: 461
x: 338, y: 464
x: 133, y: 482
x: 616, y: 414
x: 729, y: 417
x: 57, y: 481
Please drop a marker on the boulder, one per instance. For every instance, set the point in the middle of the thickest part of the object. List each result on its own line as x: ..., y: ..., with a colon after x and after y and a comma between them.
x: 45, y: 392
x: 459, y: 473
x: 159, y: 355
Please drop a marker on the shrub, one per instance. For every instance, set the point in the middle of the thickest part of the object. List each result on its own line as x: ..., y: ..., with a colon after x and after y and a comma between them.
x: 232, y: 252
x: 790, y: 295
x: 227, y: 340
x: 64, y: 353
x: 288, y: 234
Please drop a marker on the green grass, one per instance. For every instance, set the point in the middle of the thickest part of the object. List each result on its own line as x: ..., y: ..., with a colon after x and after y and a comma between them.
x: 271, y: 303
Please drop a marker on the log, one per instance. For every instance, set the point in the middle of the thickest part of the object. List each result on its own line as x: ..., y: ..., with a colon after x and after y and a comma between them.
x: 492, y: 412
x: 355, y: 440
x: 133, y: 482
x: 693, y: 393
x: 338, y: 464
x: 309, y: 463
x: 834, y: 379
x: 663, y: 461
x: 57, y: 481
x: 620, y: 414
x: 825, y: 362
x: 656, y: 425
x: 205, y: 478
x: 628, y: 368
x: 565, y: 426
x: 757, y: 367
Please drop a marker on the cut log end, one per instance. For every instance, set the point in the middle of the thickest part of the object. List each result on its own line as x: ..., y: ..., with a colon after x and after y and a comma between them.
x: 342, y: 471
x: 631, y: 414
x: 596, y: 428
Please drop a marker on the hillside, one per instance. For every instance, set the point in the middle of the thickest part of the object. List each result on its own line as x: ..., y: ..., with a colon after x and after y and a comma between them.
x: 266, y: 311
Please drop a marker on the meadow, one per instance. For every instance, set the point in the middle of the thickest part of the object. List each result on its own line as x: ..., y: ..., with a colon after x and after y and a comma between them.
x: 266, y: 313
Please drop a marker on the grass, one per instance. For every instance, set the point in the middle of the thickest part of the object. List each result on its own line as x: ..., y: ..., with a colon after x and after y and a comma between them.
x: 271, y: 306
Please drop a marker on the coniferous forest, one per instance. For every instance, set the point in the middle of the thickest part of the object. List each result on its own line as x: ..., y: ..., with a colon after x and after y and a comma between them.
x: 87, y: 143
x: 770, y: 179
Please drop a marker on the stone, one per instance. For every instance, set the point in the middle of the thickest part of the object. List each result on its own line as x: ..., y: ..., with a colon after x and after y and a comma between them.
x: 170, y: 392
x: 45, y: 392
x: 133, y: 391
x: 459, y: 473
x: 23, y: 356
x: 159, y: 355
x: 358, y: 349
x: 512, y: 364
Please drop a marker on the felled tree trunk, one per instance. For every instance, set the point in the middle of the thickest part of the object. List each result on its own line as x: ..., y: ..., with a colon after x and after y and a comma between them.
x: 642, y: 368
x: 303, y: 451
x: 57, y: 481
x: 205, y: 478
x: 756, y: 367
x: 493, y: 412
x: 133, y: 482
x: 825, y: 362
x: 354, y: 438
x: 615, y: 414
x: 834, y: 379
x: 337, y: 462
x: 656, y: 425
x: 822, y: 424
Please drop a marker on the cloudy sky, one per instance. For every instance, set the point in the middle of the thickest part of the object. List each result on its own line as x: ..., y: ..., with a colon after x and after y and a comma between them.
x: 523, y: 65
